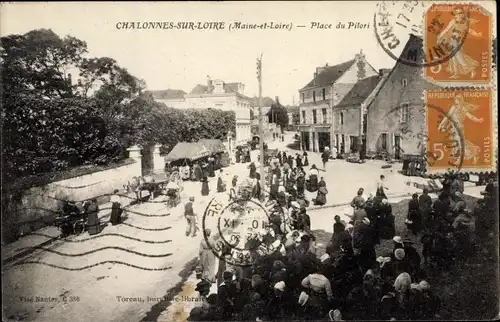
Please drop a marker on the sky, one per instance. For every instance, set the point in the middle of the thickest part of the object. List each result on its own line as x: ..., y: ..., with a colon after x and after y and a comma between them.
x: 180, y: 59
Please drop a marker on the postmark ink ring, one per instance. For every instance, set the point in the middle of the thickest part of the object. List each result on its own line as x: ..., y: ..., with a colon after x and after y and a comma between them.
x: 397, y: 20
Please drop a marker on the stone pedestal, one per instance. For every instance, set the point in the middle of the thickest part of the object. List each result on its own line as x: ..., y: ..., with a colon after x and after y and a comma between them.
x: 158, y: 160
x: 134, y: 152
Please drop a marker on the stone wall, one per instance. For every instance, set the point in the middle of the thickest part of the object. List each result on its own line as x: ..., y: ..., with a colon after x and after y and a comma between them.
x: 39, y: 205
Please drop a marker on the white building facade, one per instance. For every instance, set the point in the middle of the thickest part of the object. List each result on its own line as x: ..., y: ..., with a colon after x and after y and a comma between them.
x: 216, y: 94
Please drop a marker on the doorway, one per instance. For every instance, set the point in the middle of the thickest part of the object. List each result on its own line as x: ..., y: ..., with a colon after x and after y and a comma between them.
x: 383, y: 142
x: 397, y: 147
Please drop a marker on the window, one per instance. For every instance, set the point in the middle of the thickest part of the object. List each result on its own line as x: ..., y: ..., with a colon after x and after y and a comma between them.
x: 325, y: 118
x: 405, y: 113
x: 405, y: 82
x: 324, y: 94
x: 314, y: 96
x: 341, y: 118
x: 303, y: 116
x: 303, y: 97
x: 314, y: 117
x: 384, y: 141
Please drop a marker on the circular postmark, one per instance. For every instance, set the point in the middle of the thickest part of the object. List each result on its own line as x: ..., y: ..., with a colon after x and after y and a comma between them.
x: 439, y: 138
x: 239, y: 227
x: 395, y: 22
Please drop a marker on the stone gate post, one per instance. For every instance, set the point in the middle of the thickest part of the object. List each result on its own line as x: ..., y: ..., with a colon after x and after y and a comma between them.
x: 134, y: 152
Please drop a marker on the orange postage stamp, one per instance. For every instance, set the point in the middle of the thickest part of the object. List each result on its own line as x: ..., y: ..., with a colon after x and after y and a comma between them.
x: 460, y: 133
x: 462, y: 33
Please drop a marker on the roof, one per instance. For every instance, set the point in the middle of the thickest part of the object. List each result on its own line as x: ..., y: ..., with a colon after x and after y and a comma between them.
x: 168, y: 94
x: 213, y: 145
x: 187, y: 150
x: 203, y: 89
x: 199, y: 89
x: 361, y: 90
x: 330, y: 74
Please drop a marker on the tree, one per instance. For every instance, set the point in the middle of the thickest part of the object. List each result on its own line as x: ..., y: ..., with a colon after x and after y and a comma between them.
x: 35, y: 71
x: 278, y: 114
x: 40, y: 61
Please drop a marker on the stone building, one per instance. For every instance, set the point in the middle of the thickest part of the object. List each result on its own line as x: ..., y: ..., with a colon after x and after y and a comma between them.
x: 350, y: 114
x: 215, y: 94
x: 318, y: 115
x: 396, y: 116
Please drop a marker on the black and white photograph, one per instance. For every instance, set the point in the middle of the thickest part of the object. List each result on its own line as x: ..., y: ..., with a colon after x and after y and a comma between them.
x: 249, y: 161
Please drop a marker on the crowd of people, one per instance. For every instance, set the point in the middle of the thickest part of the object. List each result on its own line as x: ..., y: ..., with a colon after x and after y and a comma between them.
x: 287, y: 277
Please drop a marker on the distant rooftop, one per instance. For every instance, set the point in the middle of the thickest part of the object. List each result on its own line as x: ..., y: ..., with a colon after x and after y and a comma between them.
x: 168, y: 94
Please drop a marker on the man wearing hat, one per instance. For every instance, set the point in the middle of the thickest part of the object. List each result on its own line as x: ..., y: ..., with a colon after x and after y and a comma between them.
x: 225, y: 294
x: 413, y: 257
x: 190, y: 216
x: 281, y: 304
x: 301, y: 183
x: 363, y: 243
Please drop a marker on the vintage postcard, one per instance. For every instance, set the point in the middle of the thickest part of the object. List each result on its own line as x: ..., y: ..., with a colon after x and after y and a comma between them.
x: 249, y: 161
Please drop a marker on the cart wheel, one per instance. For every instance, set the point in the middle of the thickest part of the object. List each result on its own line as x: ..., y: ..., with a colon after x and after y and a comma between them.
x: 78, y: 227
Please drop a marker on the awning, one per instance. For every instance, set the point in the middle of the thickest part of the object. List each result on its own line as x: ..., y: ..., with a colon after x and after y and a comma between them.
x: 186, y: 150
x: 213, y: 145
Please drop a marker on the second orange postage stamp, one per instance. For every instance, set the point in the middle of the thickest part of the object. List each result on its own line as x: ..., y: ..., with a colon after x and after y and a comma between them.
x: 464, y: 32
x: 460, y: 130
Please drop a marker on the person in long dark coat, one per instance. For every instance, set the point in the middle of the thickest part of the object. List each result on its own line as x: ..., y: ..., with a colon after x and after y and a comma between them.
x: 256, y: 188
x: 306, y: 161
x: 237, y: 155
x: 298, y: 160
x: 205, y: 190
x: 247, y: 156
x: 253, y: 170
x: 290, y: 161
x: 198, y: 173
x: 92, y: 218
x: 211, y: 167
x: 425, y: 206
x: 221, y: 185
x: 414, y: 218
x: 280, y: 158
x: 301, y: 183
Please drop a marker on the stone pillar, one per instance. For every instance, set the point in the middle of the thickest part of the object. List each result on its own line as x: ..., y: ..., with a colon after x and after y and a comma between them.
x: 316, y: 142
x: 311, y: 142
x: 134, y: 152
x: 158, y: 160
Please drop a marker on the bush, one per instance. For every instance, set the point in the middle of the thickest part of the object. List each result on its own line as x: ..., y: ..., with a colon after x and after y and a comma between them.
x: 43, y: 136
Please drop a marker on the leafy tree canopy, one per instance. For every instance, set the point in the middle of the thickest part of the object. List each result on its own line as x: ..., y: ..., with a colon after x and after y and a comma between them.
x: 278, y: 114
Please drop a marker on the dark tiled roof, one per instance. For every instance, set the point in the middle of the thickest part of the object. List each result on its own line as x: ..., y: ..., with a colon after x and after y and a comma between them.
x: 330, y: 74
x: 199, y: 89
x: 168, y: 94
x: 203, y: 89
x: 360, y: 91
